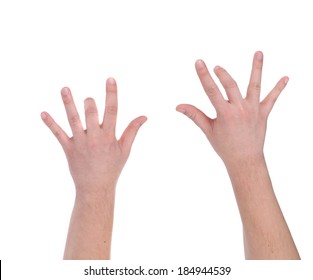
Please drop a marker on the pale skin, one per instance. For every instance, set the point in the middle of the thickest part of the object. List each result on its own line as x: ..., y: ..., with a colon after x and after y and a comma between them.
x: 96, y: 159
x: 237, y: 135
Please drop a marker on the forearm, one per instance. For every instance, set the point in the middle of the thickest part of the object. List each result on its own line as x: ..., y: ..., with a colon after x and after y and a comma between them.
x: 90, y: 230
x: 266, y: 234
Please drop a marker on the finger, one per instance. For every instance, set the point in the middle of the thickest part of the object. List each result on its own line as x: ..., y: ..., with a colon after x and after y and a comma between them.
x: 71, y: 111
x: 254, y: 88
x: 130, y: 133
x: 197, y: 116
x: 229, y: 85
x: 110, y: 113
x: 209, y: 86
x: 269, y: 101
x: 91, y: 114
x: 55, y: 129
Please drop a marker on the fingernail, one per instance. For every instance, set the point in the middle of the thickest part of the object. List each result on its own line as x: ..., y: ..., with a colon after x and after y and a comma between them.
x: 259, y: 55
x: 111, y: 81
x: 216, y: 68
x: 43, y: 115
x: 286, y: 80
x: 181, y: 110
x: 200, y: 63
x: 143, y: 121
x: 64, y: 91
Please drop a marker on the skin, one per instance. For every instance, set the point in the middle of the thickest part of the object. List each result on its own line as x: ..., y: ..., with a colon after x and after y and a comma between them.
x: 237, y: 135
x: 96, y: 159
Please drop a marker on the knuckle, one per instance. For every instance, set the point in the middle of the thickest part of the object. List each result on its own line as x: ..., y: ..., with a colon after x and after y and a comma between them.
x: 259, y: 65
x: 57, y: 134
x: 93, y: 144
x: 192, y: 115
x: 90, y: 106
x: 112, y: 110
x: 255, y: 86
x: 74, y: 119
x: 50, y: 123
x: 91, y: 111
x: 210, y: 90
x: 67, y: 99
x: 231, y: 84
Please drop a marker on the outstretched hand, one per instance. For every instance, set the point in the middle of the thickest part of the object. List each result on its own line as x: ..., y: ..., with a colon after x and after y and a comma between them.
x: 238, y: 131
x: 95, y: 157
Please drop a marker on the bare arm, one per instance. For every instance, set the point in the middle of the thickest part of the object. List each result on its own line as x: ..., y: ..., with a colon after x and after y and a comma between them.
x: 266, y: 234
x: 96, y: 159
x: 237, y: 134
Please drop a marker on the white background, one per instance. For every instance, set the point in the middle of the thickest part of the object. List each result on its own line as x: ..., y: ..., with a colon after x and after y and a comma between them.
x: 174, y: 200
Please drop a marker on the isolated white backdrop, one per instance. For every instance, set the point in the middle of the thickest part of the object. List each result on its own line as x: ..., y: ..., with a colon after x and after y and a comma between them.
x: 174, y: 199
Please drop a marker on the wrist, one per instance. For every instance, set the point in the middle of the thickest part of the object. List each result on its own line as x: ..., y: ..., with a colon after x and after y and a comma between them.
x: 95, y: 199
x: 249, y: 175
x: 239, y: 164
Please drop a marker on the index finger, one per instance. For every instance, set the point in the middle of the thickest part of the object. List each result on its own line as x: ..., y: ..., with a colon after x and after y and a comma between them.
x: 209, y: 85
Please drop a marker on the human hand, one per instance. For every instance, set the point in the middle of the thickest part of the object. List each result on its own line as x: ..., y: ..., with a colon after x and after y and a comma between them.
x: 238, y: 131
x: 95, y: 157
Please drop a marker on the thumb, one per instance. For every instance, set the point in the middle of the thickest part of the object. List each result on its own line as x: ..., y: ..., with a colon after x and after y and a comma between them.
x: 270, y: 99
x: 197, y: 116
x: 130, y: 133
